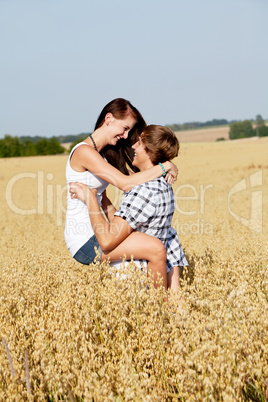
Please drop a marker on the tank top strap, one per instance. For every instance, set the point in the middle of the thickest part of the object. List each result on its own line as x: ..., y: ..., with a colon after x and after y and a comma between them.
x: 83, y: 143
x: 75, y: 147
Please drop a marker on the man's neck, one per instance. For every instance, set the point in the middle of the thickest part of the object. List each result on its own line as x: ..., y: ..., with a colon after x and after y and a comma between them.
x: 146, y: 166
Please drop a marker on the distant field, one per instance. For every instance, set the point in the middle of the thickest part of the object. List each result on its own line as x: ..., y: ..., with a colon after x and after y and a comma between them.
x: 74, y: 332
x: 204, y: 134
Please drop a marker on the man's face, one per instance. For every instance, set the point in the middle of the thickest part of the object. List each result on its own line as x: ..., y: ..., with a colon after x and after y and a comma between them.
x: 141, y: 158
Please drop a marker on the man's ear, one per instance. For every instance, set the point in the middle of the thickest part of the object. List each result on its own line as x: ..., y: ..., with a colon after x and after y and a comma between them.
x: 108, y: 118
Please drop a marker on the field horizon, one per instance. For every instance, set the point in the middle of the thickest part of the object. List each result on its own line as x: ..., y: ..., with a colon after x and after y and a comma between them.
x: 207, y: 134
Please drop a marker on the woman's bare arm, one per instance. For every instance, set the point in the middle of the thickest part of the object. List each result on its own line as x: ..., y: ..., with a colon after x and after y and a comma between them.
x: 109, y: 234
x: 85, y: 157
x: 107, y: 206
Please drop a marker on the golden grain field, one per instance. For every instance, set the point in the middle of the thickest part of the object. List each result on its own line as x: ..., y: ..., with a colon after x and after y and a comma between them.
x: 78, y: 333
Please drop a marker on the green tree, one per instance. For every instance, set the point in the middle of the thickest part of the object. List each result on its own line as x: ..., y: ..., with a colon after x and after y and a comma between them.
x: 28, y: 148
x: 263, y: 131
x: 10, y: 146
x: 259, y: 123
x: 41, y: 146
x: 49, y: 146
x: 54, y: 147
x: 13, y: 146
x: 241, y: 129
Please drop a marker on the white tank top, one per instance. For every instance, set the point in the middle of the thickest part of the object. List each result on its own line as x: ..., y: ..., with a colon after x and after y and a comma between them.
x: 78, y: 229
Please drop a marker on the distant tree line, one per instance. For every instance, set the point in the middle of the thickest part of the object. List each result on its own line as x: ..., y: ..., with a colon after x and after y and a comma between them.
x: 15, y: 146
x: 245, y: 129
x: 60, y: 138
x: 238, y: 129
x: 195, y: 125
x: 72, y: 137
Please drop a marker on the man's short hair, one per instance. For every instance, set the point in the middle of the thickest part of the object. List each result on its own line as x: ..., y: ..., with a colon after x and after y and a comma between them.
x: 160, y: 143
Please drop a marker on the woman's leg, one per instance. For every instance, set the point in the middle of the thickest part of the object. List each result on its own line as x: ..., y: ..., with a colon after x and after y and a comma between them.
x: 173, y: 279
x: 146, y: 247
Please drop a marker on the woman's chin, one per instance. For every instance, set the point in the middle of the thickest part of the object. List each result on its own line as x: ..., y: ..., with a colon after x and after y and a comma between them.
x: 113, y: 142
x: 116, y: 139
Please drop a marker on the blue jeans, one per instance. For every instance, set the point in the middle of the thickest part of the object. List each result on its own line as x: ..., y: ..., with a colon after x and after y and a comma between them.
x: 86, y: 254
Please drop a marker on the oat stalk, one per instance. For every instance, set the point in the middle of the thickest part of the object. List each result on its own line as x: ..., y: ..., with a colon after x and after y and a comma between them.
x: 9, y: 358
x: 28, y: 382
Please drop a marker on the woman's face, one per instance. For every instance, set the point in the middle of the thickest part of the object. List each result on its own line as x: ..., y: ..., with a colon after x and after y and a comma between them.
x: 119, y: 128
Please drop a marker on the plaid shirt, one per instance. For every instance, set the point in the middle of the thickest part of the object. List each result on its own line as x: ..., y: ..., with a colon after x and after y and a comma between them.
x: 149, y: 208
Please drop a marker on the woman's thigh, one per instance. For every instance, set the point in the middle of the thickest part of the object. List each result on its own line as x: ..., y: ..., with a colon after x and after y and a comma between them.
x: 137, y: 244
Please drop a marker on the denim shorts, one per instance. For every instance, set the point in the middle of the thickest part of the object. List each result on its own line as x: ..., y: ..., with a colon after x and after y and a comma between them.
x: 86, y: 254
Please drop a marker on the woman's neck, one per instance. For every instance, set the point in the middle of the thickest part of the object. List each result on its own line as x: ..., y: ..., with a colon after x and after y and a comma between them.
x: 99, y: 138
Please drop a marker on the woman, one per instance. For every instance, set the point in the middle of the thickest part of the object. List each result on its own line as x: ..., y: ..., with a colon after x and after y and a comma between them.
x: 88, y: 164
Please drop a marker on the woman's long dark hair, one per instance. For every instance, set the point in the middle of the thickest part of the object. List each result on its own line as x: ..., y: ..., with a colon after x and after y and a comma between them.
x: 122, y: 154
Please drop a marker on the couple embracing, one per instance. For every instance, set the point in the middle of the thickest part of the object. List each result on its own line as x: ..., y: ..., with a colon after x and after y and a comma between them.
x: 134, y: 157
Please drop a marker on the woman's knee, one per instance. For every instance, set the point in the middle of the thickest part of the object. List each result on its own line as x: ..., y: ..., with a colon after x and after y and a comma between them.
x: 159, y: 250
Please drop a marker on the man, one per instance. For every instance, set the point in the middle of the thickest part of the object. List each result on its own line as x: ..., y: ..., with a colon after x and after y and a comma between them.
x: 146, y: 208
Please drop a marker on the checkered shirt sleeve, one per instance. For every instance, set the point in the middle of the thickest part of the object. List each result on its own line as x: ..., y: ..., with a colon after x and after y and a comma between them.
x: 137, y: 206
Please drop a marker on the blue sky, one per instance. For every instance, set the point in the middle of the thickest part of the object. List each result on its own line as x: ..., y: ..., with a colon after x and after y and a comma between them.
x: 176, y: 60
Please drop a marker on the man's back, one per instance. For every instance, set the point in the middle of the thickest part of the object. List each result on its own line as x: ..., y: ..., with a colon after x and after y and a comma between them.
x: 149, y: 208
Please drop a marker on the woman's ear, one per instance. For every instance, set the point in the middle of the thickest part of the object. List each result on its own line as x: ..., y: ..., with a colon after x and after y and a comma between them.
x: 108, y: 118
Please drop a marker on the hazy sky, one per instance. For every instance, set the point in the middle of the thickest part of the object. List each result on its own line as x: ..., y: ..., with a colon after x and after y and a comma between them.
x: 176, y: 60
